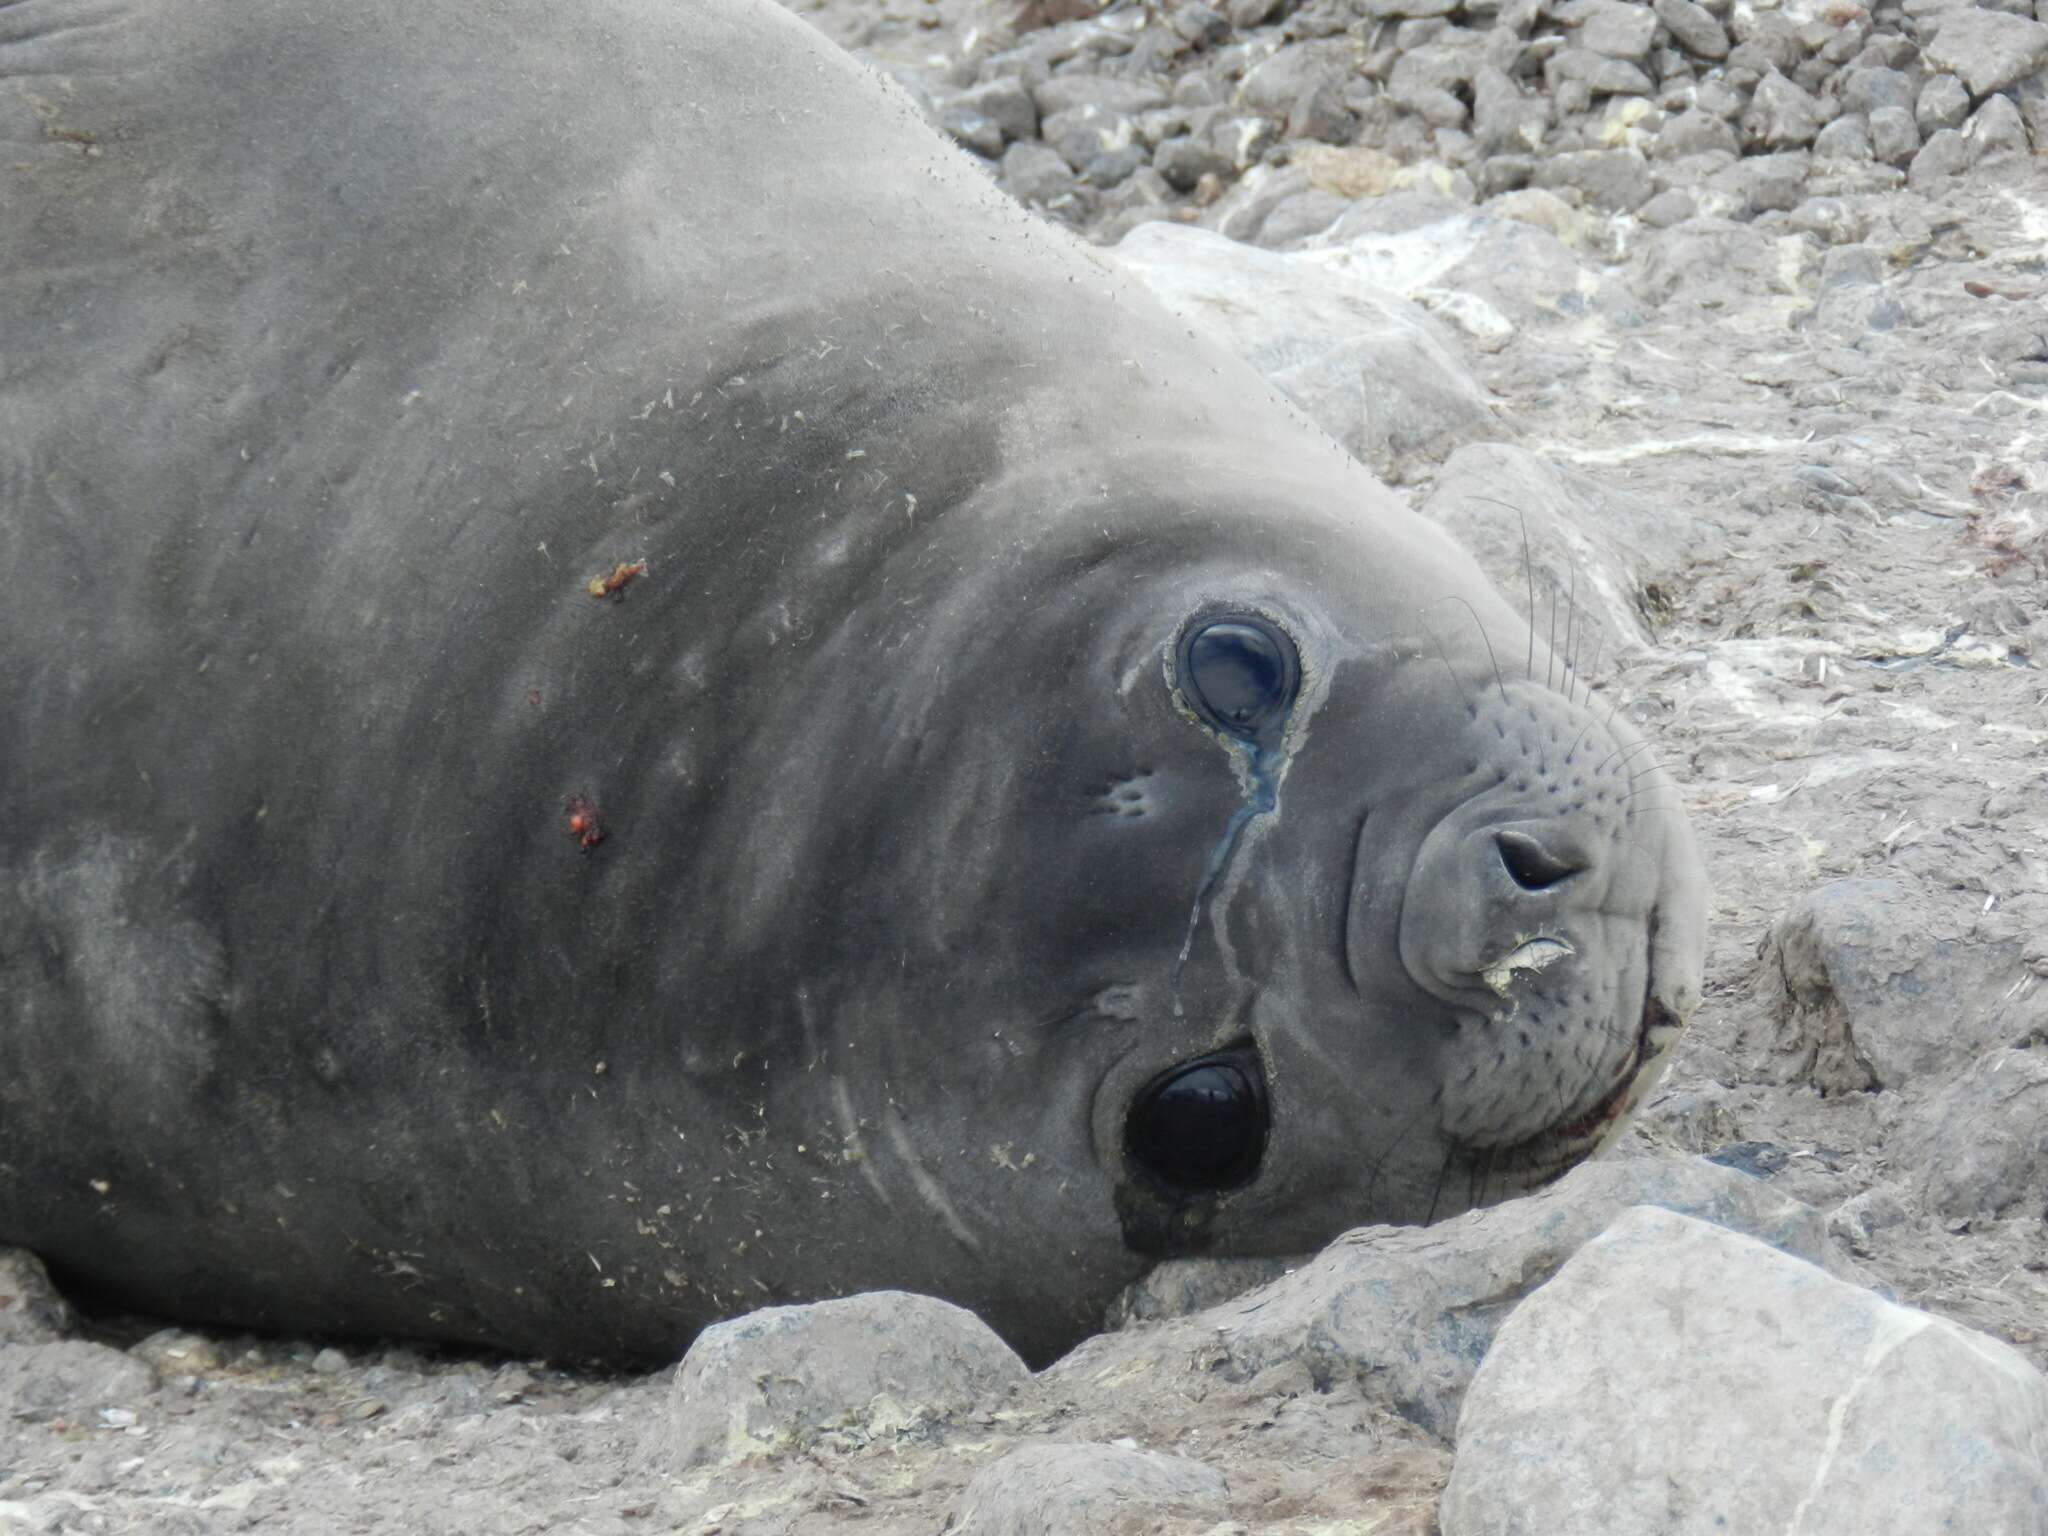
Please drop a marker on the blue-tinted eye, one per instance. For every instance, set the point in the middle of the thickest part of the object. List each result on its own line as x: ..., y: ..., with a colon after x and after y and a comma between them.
x: 1240, y: 675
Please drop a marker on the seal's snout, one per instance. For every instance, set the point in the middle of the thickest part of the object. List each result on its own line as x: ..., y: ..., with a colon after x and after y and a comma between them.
x: 1533, y: 863
x: 1488, y: 903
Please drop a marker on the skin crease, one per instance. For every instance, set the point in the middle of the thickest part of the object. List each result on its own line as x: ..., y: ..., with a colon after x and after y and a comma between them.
x: 369, y: 339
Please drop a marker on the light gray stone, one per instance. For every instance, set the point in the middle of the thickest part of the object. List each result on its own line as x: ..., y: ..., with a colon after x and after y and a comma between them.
x: 1694, y: 132
x: 1081, y: 134
x: 1036, y: 173
x: 1424, y: 82
x: 1184, y: 161
x: 1846, y: 138
x: 1375, y: 371
x: 1894, y: 136
x: 1387, y: 10
x: 1674, y: 205
x: 1979, y: 1147
x: 1680, y: 1378
x: 1850, y: 972
x: 868, y: 1367
x: 1614, y: 28
x: 1867, y: 88
x: 1088, y: 1490
x: 1615, y: 179
x: 1780, y: 115
x: 1408, y: 1312
x: 1063, y: 92
x: 1589, y: 544
x: 1996, y: 129
x: 1274, y: 85
x: 1944, y: 102
x: 1763, y: 183
x: 1504, y: 119
x: 1946, y: 153
x: 1988, y: 50
x: 69, y: 1378
x: 31, y: 1311
x: 1006, y: 103
x: 1595, y: 73
x: 1694, y: 27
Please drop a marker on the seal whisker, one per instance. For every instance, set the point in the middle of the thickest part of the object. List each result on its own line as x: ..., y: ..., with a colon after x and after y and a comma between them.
x: 1484, y: 640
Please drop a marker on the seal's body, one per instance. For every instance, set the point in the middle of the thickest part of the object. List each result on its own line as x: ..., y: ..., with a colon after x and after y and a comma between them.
x: 627, y: 695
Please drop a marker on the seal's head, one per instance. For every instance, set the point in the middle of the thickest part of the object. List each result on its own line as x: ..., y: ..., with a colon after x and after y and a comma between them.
x: 1235, y: 893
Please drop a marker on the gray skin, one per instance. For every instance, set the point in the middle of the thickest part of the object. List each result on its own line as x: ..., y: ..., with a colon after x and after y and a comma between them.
x: 343, y: 346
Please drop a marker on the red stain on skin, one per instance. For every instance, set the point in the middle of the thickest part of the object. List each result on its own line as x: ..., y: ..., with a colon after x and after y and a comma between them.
x: 586, y: 824
x: 614, y: 586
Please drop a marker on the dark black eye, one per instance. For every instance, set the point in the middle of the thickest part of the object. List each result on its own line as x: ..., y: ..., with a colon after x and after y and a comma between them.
x: 1203, y: 1124
x: 1529, y: 864
x: 1240, y: 674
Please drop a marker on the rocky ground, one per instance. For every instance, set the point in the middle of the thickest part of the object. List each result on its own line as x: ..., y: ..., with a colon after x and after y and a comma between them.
x: 1744, y: 314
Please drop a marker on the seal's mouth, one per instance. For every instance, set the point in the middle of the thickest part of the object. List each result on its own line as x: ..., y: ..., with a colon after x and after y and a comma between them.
x: 1554, y: 1151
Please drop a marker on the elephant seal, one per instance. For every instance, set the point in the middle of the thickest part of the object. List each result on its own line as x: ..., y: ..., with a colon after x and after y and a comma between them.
x: 629, y: 695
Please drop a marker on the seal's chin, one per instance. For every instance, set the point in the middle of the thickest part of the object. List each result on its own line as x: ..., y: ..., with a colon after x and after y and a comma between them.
x: 1553, y: 1152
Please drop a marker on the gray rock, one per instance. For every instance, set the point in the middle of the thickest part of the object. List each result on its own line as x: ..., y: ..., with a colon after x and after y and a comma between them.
x: 1408, y: 1312
x: 1867, y: 88
x: 1375, y: 371
x: 1504, y: 120
x: 1763, y: 183
x: 1694, y: 27
x: 67, y: 1378
x: 1673, y: 205
x: 1615, y: 179
x: 1113, y: 166
x: 1694, y: 132
x: 1764, y: 40
x: 1980, y: 1146
x: 1321, y: 114
x: 1759, y: 1389
x: 1423, y: 82
x: 1088, y: 1490
x: 31, y: 1311
x: 970, y: 130
x: 868, y: 1367
x: 1894, y: 136
x: 1081, y: 134
x: 1274, y: 86
x: 1298, y: 217
x: 1583, y: 538
x: 1036, y: 173
x: 1198, y: 24
x: 1946, y: 153
x: 1006, y: 103
x: 1242, y: 139
x: 1184, y: 161
x: 1611, y: 27
x: 1186, y: 1286
x: 1064, y: 92
x: 1989, y: 50
x: 1846, y: 138
x: 1595, y: 73
x: 1856, y: 1222
x: 1996, y: 129
x: 1878, y: 983
x: 1387, y: 10
x: 1245, y: 14
x: 1780, y: 115
x: 1943, y: 103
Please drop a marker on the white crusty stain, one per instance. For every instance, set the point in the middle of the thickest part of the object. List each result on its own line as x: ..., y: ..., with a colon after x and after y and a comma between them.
x: 1530, y: 955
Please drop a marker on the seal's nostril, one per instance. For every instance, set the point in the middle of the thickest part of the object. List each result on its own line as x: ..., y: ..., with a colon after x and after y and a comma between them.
x: 1531, y: 865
